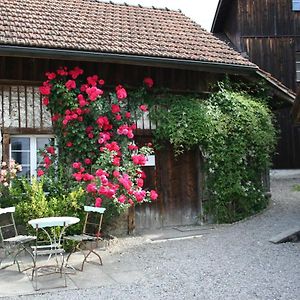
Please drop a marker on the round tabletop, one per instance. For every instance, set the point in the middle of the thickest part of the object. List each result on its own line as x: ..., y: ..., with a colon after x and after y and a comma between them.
x: 53, y: 221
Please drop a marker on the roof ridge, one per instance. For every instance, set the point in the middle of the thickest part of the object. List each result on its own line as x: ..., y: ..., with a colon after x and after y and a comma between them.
x: 138, y: 5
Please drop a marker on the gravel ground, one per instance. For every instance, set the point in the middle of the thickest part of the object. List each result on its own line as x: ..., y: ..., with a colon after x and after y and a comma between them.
x: 231, y: 262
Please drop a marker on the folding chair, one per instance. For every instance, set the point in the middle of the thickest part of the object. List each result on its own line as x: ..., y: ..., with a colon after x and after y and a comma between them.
x: 88, y: 241
x: 11, y: 241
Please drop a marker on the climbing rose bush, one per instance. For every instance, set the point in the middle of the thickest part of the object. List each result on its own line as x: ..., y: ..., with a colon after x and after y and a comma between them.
x: 95, y: 136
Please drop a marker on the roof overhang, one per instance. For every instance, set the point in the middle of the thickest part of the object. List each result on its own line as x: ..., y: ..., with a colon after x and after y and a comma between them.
x: 278, y: 88
x: 66, y: 54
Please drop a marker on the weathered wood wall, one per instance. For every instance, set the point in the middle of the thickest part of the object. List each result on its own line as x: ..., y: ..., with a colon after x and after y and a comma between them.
x: 288, y: 142
x: 180, y: 183
x: 177, y: 180
x: 269, y: 32
x: 33, y: 70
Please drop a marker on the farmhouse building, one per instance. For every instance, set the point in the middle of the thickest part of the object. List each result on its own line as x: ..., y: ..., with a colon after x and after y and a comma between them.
x: 123, y: 44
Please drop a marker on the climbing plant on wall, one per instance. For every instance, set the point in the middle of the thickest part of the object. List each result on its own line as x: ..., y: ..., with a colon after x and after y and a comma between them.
x: 236, y: 136
x: 95, y: 137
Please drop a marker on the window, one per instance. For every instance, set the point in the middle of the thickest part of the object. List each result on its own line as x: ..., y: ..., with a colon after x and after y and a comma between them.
x: 298, y: 66
x: 296, y: 5
x: 25, y: 151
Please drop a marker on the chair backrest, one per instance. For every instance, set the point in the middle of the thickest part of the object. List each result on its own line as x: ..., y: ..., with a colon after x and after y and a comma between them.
x: 8, y: 227
x: 93, y: 220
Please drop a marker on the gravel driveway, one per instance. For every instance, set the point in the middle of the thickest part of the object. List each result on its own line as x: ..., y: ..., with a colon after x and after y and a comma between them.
x: 231, y: 262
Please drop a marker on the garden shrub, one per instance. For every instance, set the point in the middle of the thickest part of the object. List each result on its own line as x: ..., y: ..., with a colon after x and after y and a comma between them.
x: 32, y: 202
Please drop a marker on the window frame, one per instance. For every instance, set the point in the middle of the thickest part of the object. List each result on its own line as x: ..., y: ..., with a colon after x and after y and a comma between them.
x: 295, y: 5
x: 32, y: 145
x: 297, y: 66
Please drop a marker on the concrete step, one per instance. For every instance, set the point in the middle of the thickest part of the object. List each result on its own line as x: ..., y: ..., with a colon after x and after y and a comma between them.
x: 290, y: 235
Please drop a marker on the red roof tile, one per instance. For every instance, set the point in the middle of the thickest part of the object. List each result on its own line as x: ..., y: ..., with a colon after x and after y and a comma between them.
x: 91, y: 25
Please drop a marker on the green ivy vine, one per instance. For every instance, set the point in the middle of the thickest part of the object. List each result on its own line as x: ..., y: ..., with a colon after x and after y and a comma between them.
x: 235, y: 133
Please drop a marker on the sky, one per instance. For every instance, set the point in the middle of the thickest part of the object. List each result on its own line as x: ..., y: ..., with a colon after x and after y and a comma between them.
x: 201, y: 11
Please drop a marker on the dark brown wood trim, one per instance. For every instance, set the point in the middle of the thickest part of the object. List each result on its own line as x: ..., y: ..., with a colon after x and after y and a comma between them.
x: 143, y: 132
x: 2, y: 106
x: 9, y: 100
x: 19, y: 82
x: 5, y: 147
x: 33, y: 105
x: 131, y: 220
x: 13, y: 130
x: 26, y: 109
x: 41, y: 111
x: 19, y: 106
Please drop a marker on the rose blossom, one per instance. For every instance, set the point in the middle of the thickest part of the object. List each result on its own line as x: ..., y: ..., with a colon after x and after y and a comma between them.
x: 148, y: 81
x: 143, y: 107
x: 115, y: 108
x: 76, y: 72
x: 153, y: 195
x: 121, y: 92
x: 70, y: 84
x: 46, y: 101
x: 88, y: 161
x: 98, y: 202
x: 91, y: 188
x: 50, y: 76
x: 40, y: 173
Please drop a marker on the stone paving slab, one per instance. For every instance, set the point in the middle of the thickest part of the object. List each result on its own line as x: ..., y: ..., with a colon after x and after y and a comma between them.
x: 113, y: 271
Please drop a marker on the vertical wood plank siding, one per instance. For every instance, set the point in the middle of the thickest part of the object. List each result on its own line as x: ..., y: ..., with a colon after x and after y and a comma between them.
x: 268, y: 31
x: 33, y: 70
x: 275, y: 55
x: 176, y: 182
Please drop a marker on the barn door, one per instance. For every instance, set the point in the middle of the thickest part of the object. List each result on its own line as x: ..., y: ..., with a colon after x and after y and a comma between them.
x: 177, y: 180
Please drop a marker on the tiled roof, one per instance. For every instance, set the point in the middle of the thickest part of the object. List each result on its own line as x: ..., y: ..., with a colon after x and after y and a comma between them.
x: 91, y: 25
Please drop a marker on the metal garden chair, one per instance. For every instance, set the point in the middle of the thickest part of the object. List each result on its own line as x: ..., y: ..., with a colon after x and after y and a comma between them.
x: 49, y: 233
x: 88, y: 241
x: 12, y: 243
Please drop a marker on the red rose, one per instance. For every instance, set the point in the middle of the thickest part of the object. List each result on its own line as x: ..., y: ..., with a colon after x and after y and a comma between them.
x: 50, y: 76
x: 70, y: 84
x: 143, y: 107
x: 46, y: 101
x: 98, y: 202
x: 40, y: 173
x: 115, y: 108
x: 153, y: 195
x: 148, y: 82
x: 88, y: 161
x: 121, y: 92
x: 50, y: 149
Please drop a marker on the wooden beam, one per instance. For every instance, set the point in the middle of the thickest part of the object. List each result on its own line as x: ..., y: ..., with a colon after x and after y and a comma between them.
x: 5, y: 147
x: 22, y: 130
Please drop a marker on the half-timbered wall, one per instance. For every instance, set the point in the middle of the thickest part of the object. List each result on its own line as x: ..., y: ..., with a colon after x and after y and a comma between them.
x: 21, y: 107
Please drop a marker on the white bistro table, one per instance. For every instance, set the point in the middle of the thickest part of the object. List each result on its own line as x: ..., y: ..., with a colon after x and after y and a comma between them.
x: 53, y: 229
